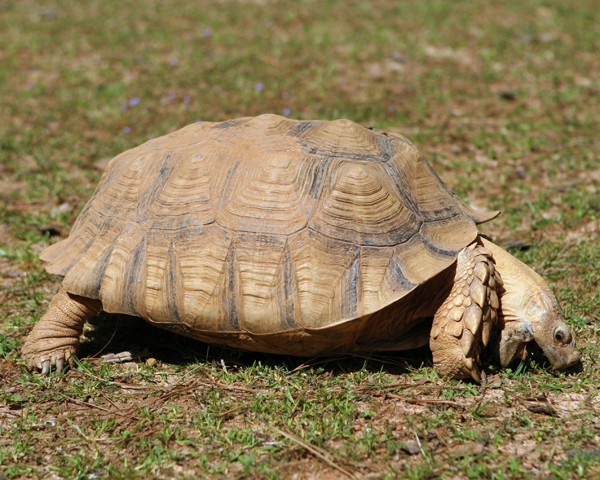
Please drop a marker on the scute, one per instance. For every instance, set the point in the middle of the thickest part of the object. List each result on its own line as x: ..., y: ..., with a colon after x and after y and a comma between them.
x: 269, y: 192
x: 343, y: 139
x: 187, y: 190
x: 264, y: 231
x: 362, y: 206
x: 202, y: 281
x: 324, y: 269
x: 258, y: 261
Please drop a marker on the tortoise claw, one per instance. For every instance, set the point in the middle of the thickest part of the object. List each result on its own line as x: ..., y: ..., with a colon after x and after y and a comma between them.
x: 60, y: 364
x: 45, y: 367
x: 473, y: 369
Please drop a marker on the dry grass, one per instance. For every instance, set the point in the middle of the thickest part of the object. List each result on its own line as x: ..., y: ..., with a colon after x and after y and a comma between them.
x: 503, y: 98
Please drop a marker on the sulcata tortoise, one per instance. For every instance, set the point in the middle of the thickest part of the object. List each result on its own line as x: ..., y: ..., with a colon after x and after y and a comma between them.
x: 294, y: 237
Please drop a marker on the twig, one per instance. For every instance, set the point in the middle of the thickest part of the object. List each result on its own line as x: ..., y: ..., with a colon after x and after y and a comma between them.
x: 9, y: 412
x: 408, y: 385
x: 109, y: 400
x: 119, y: 384
x: 375, y: 358
x: 177, y: 389
x: 110, y: 340
x: 417, y: 400
x: 384, y: 359
x: 229, y: 412
x: 235, y: 387
x: 326, y: 360
x: 425, y: 400
x: 316, y: 451
x: 91, y: 405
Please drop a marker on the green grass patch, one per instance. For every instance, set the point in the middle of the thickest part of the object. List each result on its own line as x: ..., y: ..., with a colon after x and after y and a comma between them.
x: 501, y: 97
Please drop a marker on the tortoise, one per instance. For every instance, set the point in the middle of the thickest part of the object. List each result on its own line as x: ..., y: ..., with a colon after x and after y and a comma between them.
x: 295, y: 237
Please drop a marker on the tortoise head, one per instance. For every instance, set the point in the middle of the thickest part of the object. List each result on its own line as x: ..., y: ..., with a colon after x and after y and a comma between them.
x: 530, y: 312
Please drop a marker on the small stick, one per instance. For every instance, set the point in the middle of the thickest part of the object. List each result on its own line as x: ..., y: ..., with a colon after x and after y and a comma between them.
x: 8, y: 411
x: 90, y: 405
x: 326, y: 360
x: 119, y: 384
x: 107, y: 343
x: 235, y: 387
x: 384, y: 359
x: 229, y: 412
x: 418, y: 400
x: 316, y: 451
x: 406, y: 385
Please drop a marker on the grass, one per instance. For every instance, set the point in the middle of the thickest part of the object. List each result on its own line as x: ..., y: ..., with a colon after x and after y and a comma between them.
x: 503, y: 99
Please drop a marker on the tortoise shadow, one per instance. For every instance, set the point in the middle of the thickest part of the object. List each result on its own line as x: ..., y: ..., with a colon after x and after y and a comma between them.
x: 115, y: 333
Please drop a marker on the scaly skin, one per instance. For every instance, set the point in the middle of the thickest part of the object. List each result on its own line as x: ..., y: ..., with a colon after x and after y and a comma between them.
x: 462, y: 325
x: 55, y: 338
x: 529, y: 311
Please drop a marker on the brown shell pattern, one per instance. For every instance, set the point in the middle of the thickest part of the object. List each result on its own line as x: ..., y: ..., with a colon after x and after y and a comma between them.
x: 263, y: 225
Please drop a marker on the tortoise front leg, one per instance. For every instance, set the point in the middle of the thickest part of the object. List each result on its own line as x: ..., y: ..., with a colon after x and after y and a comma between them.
x: 462, y: 325
x: 55, y: 338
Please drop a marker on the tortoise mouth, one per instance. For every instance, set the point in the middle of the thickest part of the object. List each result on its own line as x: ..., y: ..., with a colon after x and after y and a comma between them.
x: 521, y: 352
x: 533, y: 350
x: 525, y: 349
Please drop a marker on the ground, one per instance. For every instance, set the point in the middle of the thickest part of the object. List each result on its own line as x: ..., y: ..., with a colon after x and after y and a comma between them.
x: 501, y: 97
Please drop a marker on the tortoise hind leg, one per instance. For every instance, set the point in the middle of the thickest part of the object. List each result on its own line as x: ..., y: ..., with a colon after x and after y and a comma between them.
x: 462, y: 325
x: 55, y: 338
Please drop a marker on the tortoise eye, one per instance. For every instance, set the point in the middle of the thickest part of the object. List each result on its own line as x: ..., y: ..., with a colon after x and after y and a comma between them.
x: 560, y: 336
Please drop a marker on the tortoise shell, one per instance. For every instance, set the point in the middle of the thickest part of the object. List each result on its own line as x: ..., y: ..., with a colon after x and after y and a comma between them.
x: 267, y: 234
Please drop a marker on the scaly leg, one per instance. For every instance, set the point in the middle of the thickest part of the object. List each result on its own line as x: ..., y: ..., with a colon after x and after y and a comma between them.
x: 55, y: 338
x: 462, y: 325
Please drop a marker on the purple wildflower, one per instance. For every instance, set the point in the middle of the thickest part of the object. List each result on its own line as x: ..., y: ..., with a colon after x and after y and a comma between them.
x: 198, y: 120
x: 127, y: 129
x: 171, y: 95
x: 187, y: 99
x: 259, y: 87
x: 134, y: 101
x: 206, y: 33
x: 287, y: 111
x: 173, y: 61
x: 29, y: 86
